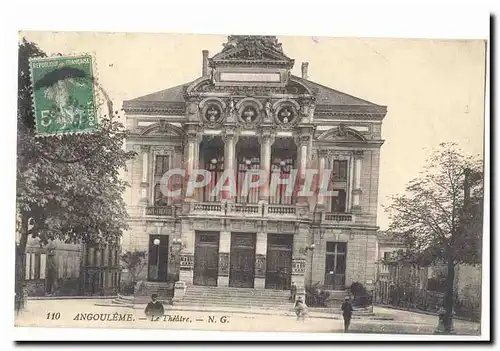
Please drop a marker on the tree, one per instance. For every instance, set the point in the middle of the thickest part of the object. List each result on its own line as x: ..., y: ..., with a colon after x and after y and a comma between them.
x: 134, y: 262
x: 440, y: 217
x: 68, y: 187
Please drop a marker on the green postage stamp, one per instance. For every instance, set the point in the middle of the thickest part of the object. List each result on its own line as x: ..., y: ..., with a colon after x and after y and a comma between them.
x: 64, y: 94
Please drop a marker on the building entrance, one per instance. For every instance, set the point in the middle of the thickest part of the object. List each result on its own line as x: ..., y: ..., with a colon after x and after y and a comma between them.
x: 242, y: 261
x: 206, y: 258
x: 279, y: 261
x: 335, y: 265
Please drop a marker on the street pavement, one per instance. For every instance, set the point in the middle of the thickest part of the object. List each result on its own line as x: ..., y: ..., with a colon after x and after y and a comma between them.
x: 89, y: 313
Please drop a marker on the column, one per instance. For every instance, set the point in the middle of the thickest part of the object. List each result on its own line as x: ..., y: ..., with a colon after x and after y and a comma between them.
x: 191, y: 153
x: 302, y: 143
x: 260, y: 260
x: 224, y: 250
x: 145, y: 174
x: 266, y: 141
x: 187, y: 253
x: 356, y: 187
x: 230, y: 139
x: 320, y: 203
x: 299, y: 253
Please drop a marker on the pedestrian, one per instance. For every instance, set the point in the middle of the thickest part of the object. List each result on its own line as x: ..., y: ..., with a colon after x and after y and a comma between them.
x: 347, y: 313
x: 293, y: 291
x: 154, y: 307
x: 300, y: 309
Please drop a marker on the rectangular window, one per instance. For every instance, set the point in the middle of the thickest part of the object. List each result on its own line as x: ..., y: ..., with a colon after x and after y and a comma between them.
x: 338, y: 184
x: 339, y: 171
x: 161, y: 165
x: 387, y: 255
x: 335, y: 265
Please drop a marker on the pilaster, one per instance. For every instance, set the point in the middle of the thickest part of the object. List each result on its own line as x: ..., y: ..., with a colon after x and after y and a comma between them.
x: 356, y: 189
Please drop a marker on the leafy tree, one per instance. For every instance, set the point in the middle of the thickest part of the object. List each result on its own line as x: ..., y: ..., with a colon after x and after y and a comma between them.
x: 68, y: 187
x: 440, y: 216
x: 134, y: 262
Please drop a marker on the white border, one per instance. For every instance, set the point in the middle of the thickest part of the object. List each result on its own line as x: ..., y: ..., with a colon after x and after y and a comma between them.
x: 368, y: 19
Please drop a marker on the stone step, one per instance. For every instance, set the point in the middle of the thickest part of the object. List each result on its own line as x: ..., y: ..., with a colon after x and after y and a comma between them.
x: 246, y: 301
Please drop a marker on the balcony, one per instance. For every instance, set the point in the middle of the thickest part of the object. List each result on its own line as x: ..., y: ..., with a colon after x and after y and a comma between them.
x: 160, y: 211
x: 244, y: 210
x: 341, y: 218
x: 207, y: 208
x: 280, y: 210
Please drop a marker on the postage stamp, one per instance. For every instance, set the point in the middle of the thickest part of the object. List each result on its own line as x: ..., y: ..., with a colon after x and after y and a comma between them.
x: 64, y: 94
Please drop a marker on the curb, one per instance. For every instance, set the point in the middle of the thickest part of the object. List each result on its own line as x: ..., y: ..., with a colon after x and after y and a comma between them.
x: 71, y: 297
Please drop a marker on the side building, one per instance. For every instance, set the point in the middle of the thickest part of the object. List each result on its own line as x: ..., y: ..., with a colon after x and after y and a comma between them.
x: 63, y: 269
x: 248, y: 112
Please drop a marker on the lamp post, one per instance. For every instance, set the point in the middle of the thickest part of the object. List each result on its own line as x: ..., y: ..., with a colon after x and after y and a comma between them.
x: 156, y: 242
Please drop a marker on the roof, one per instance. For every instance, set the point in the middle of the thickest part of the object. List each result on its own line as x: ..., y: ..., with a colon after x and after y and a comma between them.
x: 328, y: 96
x: 174, y: 94
x: 324, y: 96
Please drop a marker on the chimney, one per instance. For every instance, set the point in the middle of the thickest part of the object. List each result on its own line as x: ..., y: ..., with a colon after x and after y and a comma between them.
x: 305, y: 65
x: 204, y: 71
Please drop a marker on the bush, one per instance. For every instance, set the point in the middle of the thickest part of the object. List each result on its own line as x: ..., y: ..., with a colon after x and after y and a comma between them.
x: 362, y: 298
x: 316, y: 296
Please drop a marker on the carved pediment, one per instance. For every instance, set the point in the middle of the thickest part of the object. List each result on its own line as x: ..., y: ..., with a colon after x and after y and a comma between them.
x: 252, y: 48
x: 341, y: 133
x: 162, y: 128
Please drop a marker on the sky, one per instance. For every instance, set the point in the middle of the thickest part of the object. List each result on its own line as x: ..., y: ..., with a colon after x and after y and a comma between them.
x: 433, y: 89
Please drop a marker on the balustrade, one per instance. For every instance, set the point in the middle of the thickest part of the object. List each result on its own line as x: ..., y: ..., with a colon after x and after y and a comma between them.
x: 338, y: 217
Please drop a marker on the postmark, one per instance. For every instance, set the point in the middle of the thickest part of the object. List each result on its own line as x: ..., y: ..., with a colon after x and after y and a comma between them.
x: 64, y: 94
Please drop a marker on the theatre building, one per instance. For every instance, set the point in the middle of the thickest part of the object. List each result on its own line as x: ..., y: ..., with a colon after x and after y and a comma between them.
x: 248, y: 112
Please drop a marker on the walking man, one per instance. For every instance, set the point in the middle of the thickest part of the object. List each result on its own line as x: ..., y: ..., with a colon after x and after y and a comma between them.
x: 347, y: 313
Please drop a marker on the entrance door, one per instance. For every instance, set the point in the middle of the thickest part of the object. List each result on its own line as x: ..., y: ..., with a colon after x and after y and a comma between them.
x: 335, y: 265
x: 279, y: 261
x: 206, y: 259
x: 158, y: 258
x: 242, y: 261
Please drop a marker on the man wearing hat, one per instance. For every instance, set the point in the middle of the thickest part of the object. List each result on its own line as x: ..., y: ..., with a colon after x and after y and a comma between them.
x: 346, y: 312
x: 154, y: 307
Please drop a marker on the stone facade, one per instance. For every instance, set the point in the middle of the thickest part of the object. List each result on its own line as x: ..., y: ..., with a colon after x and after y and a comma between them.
x: 246, y: 99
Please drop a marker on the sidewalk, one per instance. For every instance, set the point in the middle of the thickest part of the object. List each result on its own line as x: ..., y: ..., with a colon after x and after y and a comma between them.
x: 312, y: 313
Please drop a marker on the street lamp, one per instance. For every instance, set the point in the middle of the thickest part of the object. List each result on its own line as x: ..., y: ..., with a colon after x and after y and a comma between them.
x: 156, y: 242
